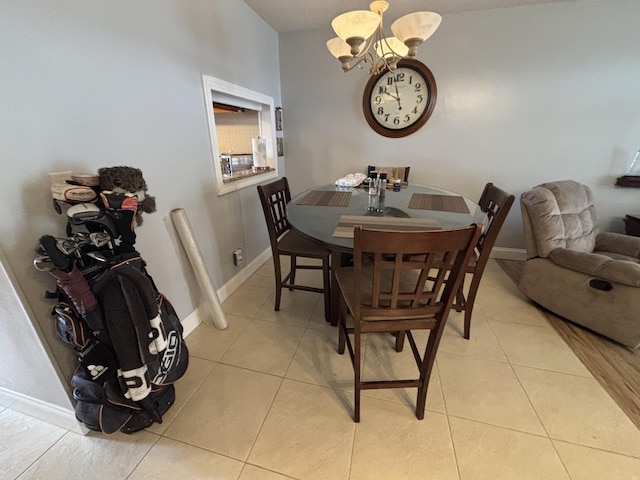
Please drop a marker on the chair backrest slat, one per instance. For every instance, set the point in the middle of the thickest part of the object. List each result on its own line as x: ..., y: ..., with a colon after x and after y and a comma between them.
x: 274, y: 198
x: 411, y: 274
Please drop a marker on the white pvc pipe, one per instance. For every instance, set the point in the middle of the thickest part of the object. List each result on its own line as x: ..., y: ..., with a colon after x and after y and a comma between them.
x: 182, y: 226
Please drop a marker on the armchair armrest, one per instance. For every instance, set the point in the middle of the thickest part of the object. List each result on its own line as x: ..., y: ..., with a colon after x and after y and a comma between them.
x: 596, y: 265
x: 618, y: 243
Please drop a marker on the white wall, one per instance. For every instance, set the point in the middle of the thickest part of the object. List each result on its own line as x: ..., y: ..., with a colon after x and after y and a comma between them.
x: 36, y: 378
x: 85, y: 85
x: 525, y: 95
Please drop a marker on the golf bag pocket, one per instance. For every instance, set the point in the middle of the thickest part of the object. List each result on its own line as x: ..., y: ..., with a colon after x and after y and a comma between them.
x: 69, y: 326
x: 102, y: 407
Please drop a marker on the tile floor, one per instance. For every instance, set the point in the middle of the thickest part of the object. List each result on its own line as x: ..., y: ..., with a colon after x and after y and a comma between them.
x: 269, y: 398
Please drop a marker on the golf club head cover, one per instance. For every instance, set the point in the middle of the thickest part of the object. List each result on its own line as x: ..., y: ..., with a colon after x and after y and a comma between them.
x: 72, y: 193
x: 59, y: 259
x: 77, y: 289
x: 122, y: 207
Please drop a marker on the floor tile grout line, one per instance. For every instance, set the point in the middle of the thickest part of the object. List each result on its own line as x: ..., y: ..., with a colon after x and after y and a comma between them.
x: 67, y: 432
x: 562, y: 461
x: 444, y: 400
x: 295, y: 351
x: 253, y: 444
x: 145, y: 455
x: 591, y: 447
x: 524, y: 390
x: 548, y: 437
x: 193, y: 394
x: 200, y: 447
x: 268, y: 470
x: 453, y: 444
x: 503, y: 427
x: 530, y: 401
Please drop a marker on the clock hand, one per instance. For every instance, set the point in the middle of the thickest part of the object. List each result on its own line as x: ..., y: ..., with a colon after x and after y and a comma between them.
x: 397, y: 97
x: 393, y: 96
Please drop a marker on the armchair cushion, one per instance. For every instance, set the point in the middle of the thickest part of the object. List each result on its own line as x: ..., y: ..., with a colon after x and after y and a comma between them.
x: 598, y: 265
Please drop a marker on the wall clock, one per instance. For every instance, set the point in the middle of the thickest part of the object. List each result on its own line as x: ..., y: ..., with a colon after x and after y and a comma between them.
x: 397, y: 103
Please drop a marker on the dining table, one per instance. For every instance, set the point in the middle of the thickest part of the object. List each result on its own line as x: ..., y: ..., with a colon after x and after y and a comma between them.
x: 327, y: 214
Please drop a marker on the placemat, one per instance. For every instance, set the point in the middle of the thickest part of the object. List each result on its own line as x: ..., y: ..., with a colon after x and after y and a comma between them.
x: 344, y: 229
x: 445, y: 203
x: 326, y: 198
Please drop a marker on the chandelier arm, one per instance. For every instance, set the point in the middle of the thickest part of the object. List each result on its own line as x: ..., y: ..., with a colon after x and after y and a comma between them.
x: 364, y: 56
x: 378, y: 50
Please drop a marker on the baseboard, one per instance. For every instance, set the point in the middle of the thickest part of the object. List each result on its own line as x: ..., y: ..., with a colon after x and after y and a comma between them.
x: 192, y: 320
x: 44, y: 411
x: 190, y: 323
x: 504, y: 253
x: 243, y: 275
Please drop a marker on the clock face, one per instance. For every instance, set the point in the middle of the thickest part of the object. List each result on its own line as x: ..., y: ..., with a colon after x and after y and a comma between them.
x: 397, y: 103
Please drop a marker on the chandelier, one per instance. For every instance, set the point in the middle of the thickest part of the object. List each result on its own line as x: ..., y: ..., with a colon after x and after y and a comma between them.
x: 361, y: 36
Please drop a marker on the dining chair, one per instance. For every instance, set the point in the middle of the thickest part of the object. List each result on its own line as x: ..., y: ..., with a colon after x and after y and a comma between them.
x: 287, y: 242
x: 400, y: 282
x: 496, y: 203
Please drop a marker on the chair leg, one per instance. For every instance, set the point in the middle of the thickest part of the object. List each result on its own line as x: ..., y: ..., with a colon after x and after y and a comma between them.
x: 459, y: 304
x: 292, y: 275
x: 425, y: 372
x: 421, y: 402
x: 468, y: 305
x: 356, y: 370
x: 342, y: 327
x: 400, y: 340
x: 326, y: 276
x: 278, y: 274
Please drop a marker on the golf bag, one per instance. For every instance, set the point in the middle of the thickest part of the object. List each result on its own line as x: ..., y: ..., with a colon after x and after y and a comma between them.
x: 127, y: 336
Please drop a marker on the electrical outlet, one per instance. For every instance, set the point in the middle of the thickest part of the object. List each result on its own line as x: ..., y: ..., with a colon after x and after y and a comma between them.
x: 237, y: 256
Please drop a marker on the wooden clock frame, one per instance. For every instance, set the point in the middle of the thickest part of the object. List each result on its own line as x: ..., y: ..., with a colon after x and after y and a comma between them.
x: 432, y: 91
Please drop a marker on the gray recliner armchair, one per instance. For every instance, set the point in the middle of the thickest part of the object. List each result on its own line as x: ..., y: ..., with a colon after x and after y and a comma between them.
x: 574, y: 270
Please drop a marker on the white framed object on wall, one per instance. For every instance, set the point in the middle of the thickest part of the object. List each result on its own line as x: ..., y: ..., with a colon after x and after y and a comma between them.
x: 237, y: 115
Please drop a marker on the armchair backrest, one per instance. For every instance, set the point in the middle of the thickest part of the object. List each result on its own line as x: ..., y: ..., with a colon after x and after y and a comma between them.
x: 559, y: 215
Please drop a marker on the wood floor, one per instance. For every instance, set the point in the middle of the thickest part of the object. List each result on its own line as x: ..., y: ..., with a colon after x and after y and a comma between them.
x: 616, y: 367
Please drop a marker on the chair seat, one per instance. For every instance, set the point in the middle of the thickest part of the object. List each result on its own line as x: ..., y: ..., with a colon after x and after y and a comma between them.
x: 291, y: 243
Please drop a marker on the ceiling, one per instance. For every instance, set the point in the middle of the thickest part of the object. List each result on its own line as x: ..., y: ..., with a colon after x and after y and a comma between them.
x: 294, y: 15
